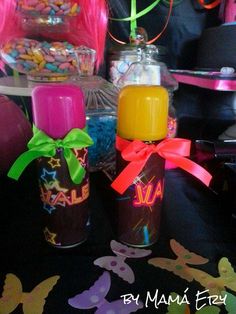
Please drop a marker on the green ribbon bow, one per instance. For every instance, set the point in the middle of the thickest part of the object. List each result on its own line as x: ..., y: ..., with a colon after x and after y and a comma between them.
x: 41, y: 145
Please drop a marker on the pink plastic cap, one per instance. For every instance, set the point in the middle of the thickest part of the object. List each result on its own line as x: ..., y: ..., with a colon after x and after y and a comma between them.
x: 58, y: 108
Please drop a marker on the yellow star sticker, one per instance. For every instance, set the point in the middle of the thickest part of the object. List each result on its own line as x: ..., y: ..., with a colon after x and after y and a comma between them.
x: 54, y: 162
x: 49, y: 236
x: 55, y: 185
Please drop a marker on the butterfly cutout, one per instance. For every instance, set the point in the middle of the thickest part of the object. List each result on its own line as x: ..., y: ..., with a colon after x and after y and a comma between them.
x: 117, y: 263
x: 230, y: 302
x: 179, y: 265
x: 13, y: 295
x: 216, y: 285
x: 178, y: 308
x: 95, y: 297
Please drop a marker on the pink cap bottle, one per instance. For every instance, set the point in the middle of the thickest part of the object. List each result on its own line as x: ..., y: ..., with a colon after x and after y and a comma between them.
x: 58, y: 108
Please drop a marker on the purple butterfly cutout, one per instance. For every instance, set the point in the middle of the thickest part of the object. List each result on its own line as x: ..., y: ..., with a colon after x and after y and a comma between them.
x: 95, y: 297
x: 117, y: 263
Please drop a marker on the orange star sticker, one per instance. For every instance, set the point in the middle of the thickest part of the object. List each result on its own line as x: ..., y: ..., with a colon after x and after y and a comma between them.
x: 49, y: 236
x: 81, y: 154
x: 54, y: 162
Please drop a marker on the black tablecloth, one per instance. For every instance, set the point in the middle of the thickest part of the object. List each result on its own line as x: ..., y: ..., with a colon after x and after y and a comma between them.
x: 193, y: 215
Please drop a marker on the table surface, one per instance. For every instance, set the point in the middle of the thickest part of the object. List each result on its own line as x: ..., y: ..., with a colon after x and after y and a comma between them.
x: 192, y: 215
x: 15, y: 86
x: 205, y: 79
x: 20, y: 85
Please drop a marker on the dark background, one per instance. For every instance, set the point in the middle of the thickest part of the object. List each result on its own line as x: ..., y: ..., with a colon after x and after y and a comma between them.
x: 197, y: 217
x: 202, y: 113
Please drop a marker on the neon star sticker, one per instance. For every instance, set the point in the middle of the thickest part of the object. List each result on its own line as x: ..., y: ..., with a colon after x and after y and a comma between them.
x: 54, y: 162
x: 49, y: 208
x: 48, y: 176
x: 82, y: 158
x: 49, y: 236
x: 63, y: 204
x: 55, y: 185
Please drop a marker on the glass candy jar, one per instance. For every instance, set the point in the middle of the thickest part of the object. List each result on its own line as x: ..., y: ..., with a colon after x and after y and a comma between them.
x: 149, y: 71
x: 48, y: 7
x: 101, y: 103
x: 122, y: 56
x: 47, y: 15
x: 39, y: 54
x: 40, y: 60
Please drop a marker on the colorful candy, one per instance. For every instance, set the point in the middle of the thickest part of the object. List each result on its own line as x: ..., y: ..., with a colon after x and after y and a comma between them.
x: 117, y: 69
x: 102, y: 129
x: 55, y: 60
x: 48, y: 7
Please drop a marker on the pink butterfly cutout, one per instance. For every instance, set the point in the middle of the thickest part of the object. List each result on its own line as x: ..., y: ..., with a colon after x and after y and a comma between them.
x: 117, y: 263
x: 95, y: 297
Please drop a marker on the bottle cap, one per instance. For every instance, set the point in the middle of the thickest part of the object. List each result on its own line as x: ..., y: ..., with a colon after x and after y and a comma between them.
x: 58, y: 108
x: 142, y: 112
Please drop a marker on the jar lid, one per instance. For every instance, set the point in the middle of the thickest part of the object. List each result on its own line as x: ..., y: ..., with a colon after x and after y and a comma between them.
x: 100, y: 94
x: 125, y: 49
x: 160, y: 53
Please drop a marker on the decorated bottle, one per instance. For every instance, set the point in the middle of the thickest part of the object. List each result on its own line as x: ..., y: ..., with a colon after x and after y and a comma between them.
x: 141, y: 126
x: 59, y: 112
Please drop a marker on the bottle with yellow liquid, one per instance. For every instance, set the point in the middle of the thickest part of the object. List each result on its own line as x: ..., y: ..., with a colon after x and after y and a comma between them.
x: 141, y: 125
x: 149, y: 71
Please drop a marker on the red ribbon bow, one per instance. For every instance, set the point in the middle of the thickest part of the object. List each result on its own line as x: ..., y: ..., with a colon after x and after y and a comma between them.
x: 138, y: 153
